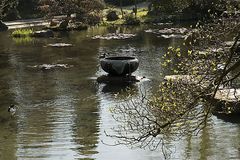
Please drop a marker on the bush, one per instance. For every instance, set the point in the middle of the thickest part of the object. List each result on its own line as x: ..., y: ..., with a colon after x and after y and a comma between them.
x: 112, y: 16
x: 92, y: 19
x: 131, y: 20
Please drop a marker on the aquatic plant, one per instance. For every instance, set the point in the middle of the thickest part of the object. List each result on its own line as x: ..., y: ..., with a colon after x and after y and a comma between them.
x: 22, y: 33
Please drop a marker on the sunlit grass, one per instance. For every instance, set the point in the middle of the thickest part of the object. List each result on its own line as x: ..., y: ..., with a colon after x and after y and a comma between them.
x: 141, y: 15
x: 22, y: 33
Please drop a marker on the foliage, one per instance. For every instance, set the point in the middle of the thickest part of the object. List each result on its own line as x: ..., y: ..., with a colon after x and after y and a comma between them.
x: 83, y: 8
x: 163, y: 6
x: 183, y: 103
x: 92, y: 18
x: 123, y: 2
x: 199, y: 6
x: 7, y: 7
x: 131, y: 20
x: 14, y: 9
x: 142, y: 13
x: 22, y: 33
x: 141, y: 16
x: 28, y: 8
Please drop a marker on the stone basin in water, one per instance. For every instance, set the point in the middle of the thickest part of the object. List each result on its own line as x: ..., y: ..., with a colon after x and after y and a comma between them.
x: 119, y: 66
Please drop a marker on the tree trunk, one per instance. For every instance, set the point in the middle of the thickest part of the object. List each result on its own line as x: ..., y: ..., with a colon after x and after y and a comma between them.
x: 121, y: 9
x: 135, y: 8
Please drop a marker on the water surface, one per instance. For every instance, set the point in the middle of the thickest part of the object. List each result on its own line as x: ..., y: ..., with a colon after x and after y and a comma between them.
x: 63, y: 112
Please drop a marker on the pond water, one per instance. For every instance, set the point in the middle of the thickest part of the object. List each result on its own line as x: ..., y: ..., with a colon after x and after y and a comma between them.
x: 63, y: 112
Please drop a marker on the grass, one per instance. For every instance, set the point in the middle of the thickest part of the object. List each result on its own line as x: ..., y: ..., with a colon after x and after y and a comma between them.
x: 18, y: 33
x: 141, y: 15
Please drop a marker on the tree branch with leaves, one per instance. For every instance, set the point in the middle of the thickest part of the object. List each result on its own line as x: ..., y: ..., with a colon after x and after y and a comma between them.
x: 183, y: 103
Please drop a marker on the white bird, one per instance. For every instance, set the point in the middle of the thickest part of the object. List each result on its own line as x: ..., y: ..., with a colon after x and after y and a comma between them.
x: 12, y: 109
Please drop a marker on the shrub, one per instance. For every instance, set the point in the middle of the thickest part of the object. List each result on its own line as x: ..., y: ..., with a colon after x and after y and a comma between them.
x: 131, y: 20
x: 112, y: 15
x: 92, y: 19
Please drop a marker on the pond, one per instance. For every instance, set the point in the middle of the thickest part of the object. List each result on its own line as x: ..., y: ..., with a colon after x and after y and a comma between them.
x: 63, y: 112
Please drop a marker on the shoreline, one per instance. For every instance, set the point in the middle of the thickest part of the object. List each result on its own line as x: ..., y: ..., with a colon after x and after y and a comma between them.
x: 25, y: 23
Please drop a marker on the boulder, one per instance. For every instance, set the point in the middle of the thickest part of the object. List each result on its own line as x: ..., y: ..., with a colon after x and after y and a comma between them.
x: 43, y: 33
x: 226, y: 102
x: 228, y: 95
x: 64, y: 24
x: 111, y: 36
x: 112, y: 16
x: 3, y: 27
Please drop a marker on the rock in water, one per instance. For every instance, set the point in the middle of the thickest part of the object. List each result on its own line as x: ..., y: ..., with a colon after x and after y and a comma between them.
x: 43, y: 33
x: 64, y: 24
x: 3, y: 27
x: 12, y: 109
x: 59, y: 45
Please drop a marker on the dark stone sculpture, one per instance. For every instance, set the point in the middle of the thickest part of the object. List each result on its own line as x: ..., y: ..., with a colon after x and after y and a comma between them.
x: 119, y: 66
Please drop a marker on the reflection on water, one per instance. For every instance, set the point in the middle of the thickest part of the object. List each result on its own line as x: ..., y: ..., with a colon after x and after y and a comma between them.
x: 114, y: 89
x: 63, y: 113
